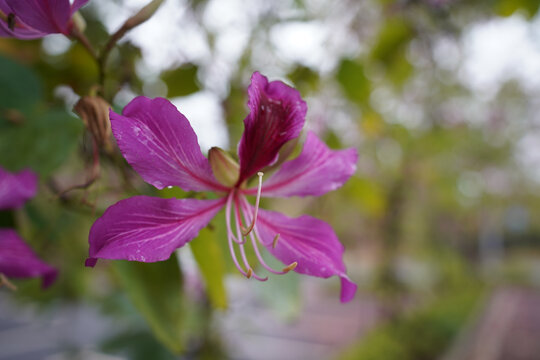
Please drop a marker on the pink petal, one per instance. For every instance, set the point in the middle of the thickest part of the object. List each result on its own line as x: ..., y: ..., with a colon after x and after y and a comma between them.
x: 17, y: 260
x: 315, y: 172
x: 15, y: 189
x: 148, y: 229
x: 310, y: 242
x: 276, y: 116
x: 158, y: 142
x: 47, y: 16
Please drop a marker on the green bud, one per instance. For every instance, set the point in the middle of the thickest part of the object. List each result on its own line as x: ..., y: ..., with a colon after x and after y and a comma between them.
x: 225, y: 168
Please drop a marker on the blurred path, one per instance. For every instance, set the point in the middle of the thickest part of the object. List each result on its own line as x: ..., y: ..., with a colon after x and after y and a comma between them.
x: 321, y: 330
x: 507, y: 329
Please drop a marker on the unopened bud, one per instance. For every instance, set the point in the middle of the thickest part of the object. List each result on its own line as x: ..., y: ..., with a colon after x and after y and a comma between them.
x: 78, y: 22
x: 94, y: 112
x: 225, y: 168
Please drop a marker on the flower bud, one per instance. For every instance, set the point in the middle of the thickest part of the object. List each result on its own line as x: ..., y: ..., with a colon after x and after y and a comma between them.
x: 225, y: 168
x: 94, y: 112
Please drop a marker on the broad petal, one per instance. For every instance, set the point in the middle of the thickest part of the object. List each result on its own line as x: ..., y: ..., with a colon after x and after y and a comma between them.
x: 315, y: 172
x: 159, y: 143
x: 277, y: 114
x: 15, y: 189
x: 47, y: 16
x: 148, y: 229
x: 20, y: 33
x: 17, y: 260
x: 21, y: 30
x: 310, y: 242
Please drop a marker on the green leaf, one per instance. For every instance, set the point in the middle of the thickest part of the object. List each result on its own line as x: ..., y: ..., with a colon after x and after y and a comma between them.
x: 390, y: 49
x: 209, y: 257
x: 156, y: 291
x: 42, y: 142
x: 508, y: 7
x: 181, y: 81
x: 355, y: 84
x: 21, y: 89
x: 304, y: 78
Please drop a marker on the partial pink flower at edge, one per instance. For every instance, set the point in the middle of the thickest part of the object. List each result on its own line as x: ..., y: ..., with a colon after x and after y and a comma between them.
x: 159, y: 143
x: 17, y: 259
x: 32, y: 19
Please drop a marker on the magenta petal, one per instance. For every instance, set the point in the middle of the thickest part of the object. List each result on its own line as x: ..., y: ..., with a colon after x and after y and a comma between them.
x: 77, y: 4
x: 310, y: 242
x: 15, y: 189
x: 348, y: 289
x: 47, y: 16
x: 276, y: 116
x: 20, y: 33
x: 315, y: 172
x: 148, y: 229
x: 17, y: 260
x: 21, y: 30
x: 159, y: 143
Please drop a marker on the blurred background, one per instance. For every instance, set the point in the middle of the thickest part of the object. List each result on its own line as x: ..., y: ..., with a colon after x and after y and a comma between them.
x: 440, y: 221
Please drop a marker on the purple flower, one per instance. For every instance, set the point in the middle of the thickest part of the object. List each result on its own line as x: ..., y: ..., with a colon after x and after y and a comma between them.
x: 32, y: 19
x: 158, y: 142
x: 17, y: 259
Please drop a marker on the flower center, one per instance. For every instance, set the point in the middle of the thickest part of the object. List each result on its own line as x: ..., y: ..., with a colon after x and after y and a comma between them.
x: 243, y: 214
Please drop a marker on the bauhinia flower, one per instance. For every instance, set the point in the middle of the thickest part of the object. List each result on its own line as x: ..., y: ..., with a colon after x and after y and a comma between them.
x: 17, y: 260
x: 159, y: 143
x: 32, y: 19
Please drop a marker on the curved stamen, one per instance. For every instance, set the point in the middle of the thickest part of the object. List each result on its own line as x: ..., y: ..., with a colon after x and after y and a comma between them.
x: 245, y: 232
x: 274, y: 242
x: 5, y: 281
x: 230, y: 238
x: 251, y: 273
x: 228, y: 219
x: 286, y: 269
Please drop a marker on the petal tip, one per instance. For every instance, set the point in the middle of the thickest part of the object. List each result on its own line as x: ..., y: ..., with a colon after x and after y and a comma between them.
x: 90, y: 262
x: 348, y: 289
x: 49, y: 278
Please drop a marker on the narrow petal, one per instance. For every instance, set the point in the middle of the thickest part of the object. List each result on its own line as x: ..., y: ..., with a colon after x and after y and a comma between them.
x: 315, y: 172
x: 17, y: 260
x: 159, y: 143
x: 15, y: 189
x: 77, y: 4
x: 148, y: 229
x: 48, y: 16
x: 310, y: 242
x: 277, y: 114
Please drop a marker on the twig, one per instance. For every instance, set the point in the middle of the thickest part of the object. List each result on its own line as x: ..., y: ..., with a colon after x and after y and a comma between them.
x: 95, y: 173
x: 144, y: 14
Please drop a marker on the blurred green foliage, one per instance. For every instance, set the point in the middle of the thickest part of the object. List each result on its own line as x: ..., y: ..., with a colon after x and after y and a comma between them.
x: 420, y: 335
x: 156, y: 291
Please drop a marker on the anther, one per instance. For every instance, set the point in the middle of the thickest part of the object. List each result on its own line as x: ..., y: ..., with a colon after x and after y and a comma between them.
x: 274, y: 242
x: 291, y: 267
x: 246, y: 232
x: 249, y: 273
